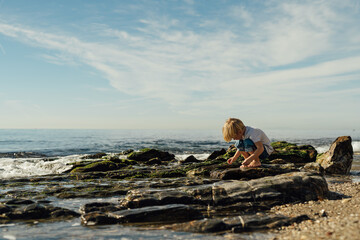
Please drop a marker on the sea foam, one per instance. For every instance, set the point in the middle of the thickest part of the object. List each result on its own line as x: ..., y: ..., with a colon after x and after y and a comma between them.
x: 25, y: 167
x: 356, y: 146
x: 324, y: 148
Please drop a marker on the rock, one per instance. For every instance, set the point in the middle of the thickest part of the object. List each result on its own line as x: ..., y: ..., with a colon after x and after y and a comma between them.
x: 230, y: 153
x: 86, y: 191
x: 35, y: 211
x: 57, y: 212
x: 338, y: 160
x: 147, y: 154
x: 261, y: 221
x: 168, y: 173
x: 280, y: 189
x: 190, y: 159
x: 154, y: 161
x: 163, y: 214
x: 94, y: 156
x: 204, y: 193
x: 127, y: 152
x: 262, y: 192
x: 116, y: 174
x: 102, y: 166
x: 19, y: 202
x: 216, y: 154
x: 237, y: 224
x: 200, y: 172
x: 253, y: 173
x: 5, y: 209
x: 292, y: 153
x: 204, y: 168
x: 99, y: 207
x: 144, y: 198
x: 154, y: 214
x: 314, y: 167
x: 278, y: 161
x: 201, y: 226
x: 97, y: 218
x: 322, y: 213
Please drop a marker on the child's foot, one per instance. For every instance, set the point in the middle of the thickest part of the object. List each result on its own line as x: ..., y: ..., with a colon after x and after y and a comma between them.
x: 253, y: 164
x: 245, y: 163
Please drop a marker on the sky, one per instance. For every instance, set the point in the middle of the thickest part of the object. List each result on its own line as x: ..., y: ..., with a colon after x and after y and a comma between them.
x: 179, y: 64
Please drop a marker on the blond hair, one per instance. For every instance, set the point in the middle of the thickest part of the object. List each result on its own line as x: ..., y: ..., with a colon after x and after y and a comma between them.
x: 231, y: 128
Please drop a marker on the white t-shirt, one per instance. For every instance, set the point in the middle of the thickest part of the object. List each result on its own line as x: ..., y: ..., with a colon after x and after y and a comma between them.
x: 257, y: 135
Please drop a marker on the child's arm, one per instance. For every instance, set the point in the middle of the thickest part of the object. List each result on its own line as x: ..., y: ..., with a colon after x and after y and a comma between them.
x: 234, y: 158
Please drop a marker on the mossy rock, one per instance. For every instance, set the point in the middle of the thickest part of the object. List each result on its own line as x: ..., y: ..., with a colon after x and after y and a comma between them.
x: 147, y: 154
x: 102, y: 166
x: 283, y: 145
x: 128, y: 174
x: 168, y: 174
x: 116, y: 159
x: 81, y: 164
x: 154, y: 161
x: 292, y: 153
x: 204, y: 168
x: 228, y: 154
x: 215, y: 162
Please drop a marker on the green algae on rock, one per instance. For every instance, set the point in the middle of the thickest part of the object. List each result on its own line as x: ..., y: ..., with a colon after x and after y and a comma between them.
x: 293, y: 153
x: 106, y: 165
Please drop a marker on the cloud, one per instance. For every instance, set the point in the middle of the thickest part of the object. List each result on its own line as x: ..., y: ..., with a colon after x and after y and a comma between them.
x: 19, y: 107
x: 291, y: 46
x: 241, y: 14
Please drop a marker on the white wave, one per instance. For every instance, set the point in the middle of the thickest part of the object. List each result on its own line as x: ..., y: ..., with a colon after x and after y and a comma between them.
x: 25, y: 167
x: 324, y: 148
x: 356, y: 146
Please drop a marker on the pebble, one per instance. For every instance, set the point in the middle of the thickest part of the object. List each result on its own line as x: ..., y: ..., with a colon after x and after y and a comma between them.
x: 323, y: 213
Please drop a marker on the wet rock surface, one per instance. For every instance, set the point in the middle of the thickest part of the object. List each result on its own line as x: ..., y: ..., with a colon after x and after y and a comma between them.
x: 253, y: 173
x: 152, y: 188
x: 152, y: 214
x: 24, y: 210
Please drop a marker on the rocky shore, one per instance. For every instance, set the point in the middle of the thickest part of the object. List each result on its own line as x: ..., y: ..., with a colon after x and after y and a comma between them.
x: 335, y: 218
x: 288, y: 196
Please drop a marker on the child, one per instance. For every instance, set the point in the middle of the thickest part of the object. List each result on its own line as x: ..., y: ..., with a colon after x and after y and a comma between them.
x: 252, y: 143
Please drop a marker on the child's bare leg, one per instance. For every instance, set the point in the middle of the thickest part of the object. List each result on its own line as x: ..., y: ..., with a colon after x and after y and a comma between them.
x: 246, y: 155
x: 251, y: 163
x: 255, y: 163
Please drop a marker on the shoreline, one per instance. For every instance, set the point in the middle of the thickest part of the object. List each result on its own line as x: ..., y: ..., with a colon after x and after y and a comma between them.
x: 330, y: 218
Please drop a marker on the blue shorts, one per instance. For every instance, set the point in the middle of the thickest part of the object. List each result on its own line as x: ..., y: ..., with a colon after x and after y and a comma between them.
x: 248, y: 145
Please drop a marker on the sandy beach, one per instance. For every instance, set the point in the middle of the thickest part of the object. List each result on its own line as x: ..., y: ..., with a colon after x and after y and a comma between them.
x: 334, y: 218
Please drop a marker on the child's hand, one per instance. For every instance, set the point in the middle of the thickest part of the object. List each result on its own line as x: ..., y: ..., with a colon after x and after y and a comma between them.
x: 230, y: 160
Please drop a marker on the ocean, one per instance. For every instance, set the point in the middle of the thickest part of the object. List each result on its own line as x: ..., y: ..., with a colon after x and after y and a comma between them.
x: 32, y: 152
x: 38, y: 152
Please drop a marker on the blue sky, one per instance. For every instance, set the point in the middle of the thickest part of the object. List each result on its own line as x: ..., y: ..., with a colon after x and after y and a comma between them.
x: 179, y: 64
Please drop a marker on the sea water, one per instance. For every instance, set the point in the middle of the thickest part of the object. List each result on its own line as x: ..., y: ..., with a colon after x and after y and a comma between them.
x: 25, y: 153
x: 48, y: 151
